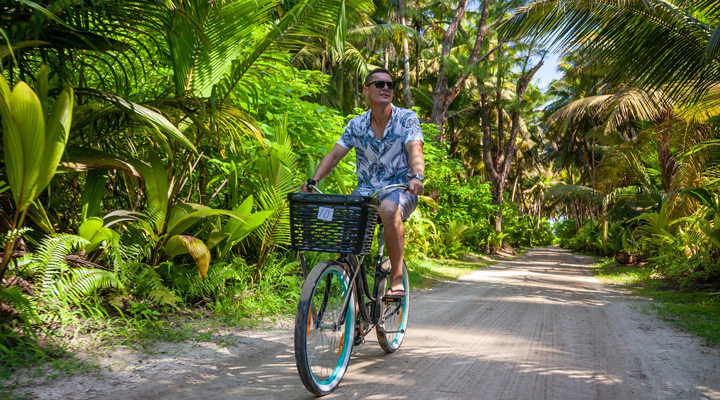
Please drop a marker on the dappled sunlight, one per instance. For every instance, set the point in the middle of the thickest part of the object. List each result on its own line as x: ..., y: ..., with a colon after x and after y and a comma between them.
x: 517, y: 330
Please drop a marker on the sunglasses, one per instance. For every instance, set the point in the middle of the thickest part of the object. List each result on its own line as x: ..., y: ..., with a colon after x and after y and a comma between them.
x: 381, y: 84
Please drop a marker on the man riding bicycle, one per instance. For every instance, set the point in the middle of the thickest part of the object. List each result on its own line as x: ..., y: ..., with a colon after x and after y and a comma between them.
x: 388, y: 146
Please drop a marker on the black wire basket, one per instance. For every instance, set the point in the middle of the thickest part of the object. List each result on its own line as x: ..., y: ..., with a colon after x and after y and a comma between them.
x: 332, y: 223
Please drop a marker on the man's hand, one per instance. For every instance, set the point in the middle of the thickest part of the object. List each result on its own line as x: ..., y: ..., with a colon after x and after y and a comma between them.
x: 305, y: 184
x: 415, y: 187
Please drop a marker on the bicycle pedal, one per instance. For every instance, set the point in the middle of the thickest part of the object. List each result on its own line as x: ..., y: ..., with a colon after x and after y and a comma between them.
x: 386, y: 299
x: 358, y: 340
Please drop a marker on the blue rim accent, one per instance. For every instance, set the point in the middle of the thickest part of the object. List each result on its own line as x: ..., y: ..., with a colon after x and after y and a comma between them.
x: 403, y: 321
x: 348, y: 336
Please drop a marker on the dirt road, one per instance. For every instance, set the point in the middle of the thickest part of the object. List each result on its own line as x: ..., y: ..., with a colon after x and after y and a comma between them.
x: 538, y: 327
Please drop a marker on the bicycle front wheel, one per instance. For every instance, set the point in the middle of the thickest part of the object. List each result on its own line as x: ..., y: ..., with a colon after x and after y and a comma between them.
x: 322, y: 348
x: 395, y: 315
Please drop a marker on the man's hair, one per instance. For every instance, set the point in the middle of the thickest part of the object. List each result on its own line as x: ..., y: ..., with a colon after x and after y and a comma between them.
x: 373, y: 72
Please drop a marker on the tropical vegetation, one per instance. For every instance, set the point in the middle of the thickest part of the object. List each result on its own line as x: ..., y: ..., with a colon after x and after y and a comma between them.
x: 149, y: 146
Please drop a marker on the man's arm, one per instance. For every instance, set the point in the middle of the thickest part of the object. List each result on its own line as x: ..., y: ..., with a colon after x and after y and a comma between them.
x: 328, y: 164
x: 417, y: 165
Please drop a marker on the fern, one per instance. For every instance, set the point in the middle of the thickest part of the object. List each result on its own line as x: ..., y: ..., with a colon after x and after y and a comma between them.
x: 24, y: 307
x: 50, y: 262
x: 214, y: 282
x: 56, y: 281
x: 84, y: 281
x: 150, y: 285
x: 4, y: 237
x: 126, y: 262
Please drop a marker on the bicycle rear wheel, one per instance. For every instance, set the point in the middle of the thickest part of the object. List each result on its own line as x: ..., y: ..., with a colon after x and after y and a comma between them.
x: 322, y: 349
x: 395, y: 314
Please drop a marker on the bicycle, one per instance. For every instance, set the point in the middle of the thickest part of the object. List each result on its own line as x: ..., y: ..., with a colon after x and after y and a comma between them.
x: 336, y: 293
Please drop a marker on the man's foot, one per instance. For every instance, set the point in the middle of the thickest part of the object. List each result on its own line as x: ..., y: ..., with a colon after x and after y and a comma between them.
x: 395, y: 293
x: 358, y: 340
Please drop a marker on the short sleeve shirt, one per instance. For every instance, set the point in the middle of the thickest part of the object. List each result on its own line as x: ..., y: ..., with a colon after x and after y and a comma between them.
x: 381, y: 162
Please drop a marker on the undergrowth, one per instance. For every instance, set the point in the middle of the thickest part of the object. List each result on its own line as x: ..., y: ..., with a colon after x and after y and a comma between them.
x: 199, y: 314
x: 426, y: 273
x: 691, y: 307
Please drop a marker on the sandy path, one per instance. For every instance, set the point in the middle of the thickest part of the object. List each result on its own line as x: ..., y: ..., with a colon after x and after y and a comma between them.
x: 538, y: 327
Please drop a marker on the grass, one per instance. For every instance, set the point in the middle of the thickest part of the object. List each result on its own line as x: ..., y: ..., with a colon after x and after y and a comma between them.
x: 425, y: 274
x: 691, y: 309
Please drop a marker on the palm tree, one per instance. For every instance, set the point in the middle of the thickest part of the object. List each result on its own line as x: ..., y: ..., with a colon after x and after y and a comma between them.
x: 648, y: 43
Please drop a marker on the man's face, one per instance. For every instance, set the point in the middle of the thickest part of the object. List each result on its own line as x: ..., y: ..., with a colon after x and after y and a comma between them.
x: 379, y: 96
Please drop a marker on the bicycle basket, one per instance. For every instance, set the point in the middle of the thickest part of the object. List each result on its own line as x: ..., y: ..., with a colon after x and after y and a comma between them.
x: 332, y: 223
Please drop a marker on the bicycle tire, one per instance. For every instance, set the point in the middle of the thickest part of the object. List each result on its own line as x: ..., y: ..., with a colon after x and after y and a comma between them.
x: 396, y: 316
x: 322, y: 353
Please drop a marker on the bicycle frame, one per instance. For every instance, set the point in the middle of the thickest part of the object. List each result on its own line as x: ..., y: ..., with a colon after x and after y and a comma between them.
x: 358, y: 280
x: 360, y: 286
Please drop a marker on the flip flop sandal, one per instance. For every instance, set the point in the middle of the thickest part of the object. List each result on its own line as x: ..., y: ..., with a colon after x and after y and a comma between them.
x: 358, y: 339
x: 395, y: 294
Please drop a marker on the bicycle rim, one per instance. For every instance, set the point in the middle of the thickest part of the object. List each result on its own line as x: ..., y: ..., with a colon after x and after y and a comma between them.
x: 324, y: 350
x: 395, y: 319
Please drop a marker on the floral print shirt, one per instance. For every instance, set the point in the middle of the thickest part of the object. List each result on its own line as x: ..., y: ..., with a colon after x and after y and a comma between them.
x: 381, y: 162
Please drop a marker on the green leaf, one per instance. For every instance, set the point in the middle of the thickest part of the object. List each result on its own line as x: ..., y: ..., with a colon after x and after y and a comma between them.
x: 93, y: 193
x: 13, y: 296
x: 95, y: 233
x: 156, y: 186
x: 188, y: 220
x: 153, y: 119
x: 181, y: 210
x: 246, y: 207
x: 58, y: 130
x: 27, y: 129
x: 205, y: 39
x: 340, y: 30
x: 90, y: 227
x: 37, y: 213
x: 84, y: 159
x: 252, y: 222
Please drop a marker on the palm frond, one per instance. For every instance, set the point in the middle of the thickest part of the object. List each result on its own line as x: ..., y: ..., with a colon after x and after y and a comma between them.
x: 205, y: 38
x: 565, y: 193
x: 653, y: 43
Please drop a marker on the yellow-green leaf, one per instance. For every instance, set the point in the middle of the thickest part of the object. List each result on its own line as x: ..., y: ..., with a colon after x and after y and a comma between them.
x: 182, y: 244
x: 26, y: 113
x: 89, y: 228
x: 58, y: 129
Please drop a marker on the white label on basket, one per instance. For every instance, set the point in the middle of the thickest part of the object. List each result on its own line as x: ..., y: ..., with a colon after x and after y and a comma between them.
x: 325, y: 213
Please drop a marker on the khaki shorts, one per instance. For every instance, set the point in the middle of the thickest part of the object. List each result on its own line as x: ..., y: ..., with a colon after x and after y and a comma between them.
x: 406, y: 201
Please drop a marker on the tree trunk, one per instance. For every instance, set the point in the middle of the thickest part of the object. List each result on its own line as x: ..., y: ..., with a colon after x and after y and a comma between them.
x: 417, y: 63
x: 407, y: 96
x: 668, y: 168
x: 443, y: 95
x: 497, y: 166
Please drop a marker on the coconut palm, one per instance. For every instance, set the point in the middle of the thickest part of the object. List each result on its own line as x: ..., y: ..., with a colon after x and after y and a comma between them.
x: 651, y: 43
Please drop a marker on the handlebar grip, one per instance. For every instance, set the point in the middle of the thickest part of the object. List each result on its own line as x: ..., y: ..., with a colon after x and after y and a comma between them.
x: 312, y: 185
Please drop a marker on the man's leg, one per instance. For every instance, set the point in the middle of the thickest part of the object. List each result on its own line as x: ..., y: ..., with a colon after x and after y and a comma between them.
x: 391, y: 216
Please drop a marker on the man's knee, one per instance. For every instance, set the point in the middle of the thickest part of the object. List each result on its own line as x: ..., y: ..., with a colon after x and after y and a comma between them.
x: 389, y: 211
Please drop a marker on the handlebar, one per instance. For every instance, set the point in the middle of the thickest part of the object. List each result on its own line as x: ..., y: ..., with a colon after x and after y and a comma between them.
x: 313, y: 187
x: 383, y: 191
x: 378, y: 193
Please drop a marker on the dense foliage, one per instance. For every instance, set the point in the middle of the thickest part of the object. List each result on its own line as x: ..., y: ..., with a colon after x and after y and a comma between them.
x: 634, y: 131
x: 149, y: 147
